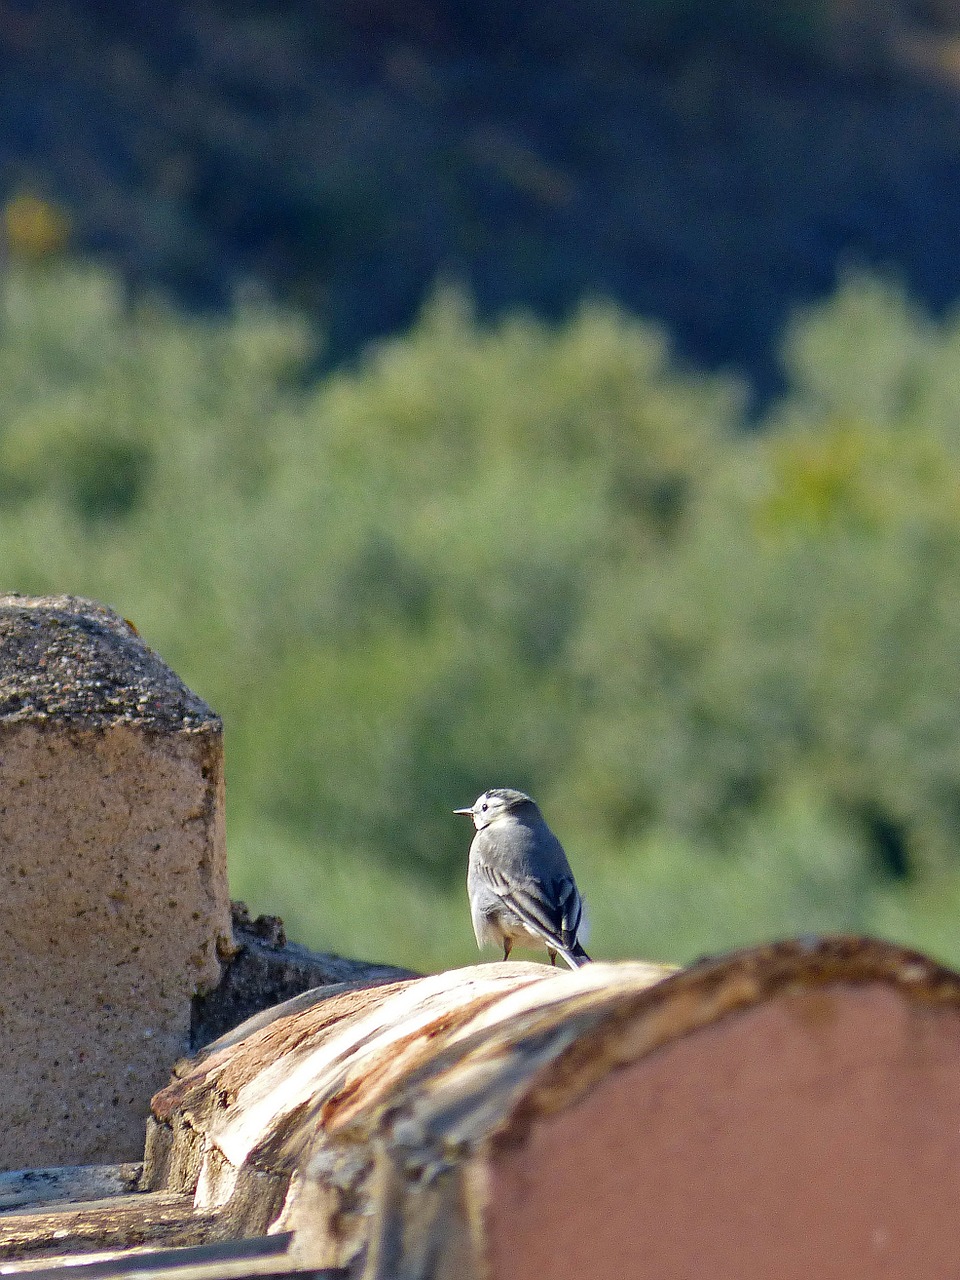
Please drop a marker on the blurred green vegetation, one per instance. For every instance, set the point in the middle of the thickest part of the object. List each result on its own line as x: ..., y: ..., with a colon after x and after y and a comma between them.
x: 724, y: 659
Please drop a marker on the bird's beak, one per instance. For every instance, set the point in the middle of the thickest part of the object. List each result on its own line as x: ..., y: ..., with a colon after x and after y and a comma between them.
x: 467, y: 812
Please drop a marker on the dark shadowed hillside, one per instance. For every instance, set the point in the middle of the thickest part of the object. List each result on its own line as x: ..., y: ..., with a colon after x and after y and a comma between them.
x: 345, y: 156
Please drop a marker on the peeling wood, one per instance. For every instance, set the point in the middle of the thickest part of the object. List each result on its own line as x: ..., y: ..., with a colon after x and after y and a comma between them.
x: 383, y: 1107
x: 157, y: 1218
x: 261, y: 1256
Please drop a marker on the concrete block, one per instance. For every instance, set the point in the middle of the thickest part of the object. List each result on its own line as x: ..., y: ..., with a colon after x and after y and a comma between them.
x: 115, y: 908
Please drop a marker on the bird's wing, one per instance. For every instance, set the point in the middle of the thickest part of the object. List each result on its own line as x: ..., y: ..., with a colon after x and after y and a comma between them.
x: 554, y: 914
x: 571, y: 910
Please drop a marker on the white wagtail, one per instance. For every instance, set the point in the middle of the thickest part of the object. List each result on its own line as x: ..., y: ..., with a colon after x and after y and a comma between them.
x: 520, y: 884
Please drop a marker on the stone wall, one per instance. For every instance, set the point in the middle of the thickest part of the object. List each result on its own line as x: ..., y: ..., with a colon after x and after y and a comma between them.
x: 116, y: 910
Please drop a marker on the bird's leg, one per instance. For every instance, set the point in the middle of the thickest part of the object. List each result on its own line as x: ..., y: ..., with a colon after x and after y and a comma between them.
x: 553, y: 956
x: 507, y: 948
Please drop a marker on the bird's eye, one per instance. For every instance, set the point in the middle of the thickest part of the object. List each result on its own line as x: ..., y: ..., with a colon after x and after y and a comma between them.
x: 484, y: 806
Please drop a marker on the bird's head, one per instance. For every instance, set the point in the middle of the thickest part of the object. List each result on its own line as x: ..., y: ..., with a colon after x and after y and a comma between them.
x: 494, y: 804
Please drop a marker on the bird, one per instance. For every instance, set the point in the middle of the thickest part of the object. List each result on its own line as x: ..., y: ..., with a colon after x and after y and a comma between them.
x: 519, y: 881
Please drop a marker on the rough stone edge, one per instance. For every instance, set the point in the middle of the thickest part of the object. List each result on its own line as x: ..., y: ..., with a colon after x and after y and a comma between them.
x: 264, y: 970
x: 104, y: 673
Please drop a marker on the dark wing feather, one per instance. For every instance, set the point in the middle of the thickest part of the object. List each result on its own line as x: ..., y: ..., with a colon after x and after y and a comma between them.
x: 571, y: 910
x: 554, y: 914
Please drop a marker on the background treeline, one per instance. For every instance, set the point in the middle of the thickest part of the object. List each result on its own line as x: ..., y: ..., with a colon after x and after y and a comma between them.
x: 726, y: 660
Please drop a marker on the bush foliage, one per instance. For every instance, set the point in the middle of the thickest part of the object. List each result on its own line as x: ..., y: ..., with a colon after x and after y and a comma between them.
x: 724, y: 659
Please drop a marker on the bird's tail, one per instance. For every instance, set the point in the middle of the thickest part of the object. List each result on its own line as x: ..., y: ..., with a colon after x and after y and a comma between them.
x: 575, y: 956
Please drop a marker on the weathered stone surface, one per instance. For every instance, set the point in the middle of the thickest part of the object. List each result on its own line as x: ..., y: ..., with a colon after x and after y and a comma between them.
x: 115, y: 902
x: 267, y: 970
x: 31, y: 1188
x: 78, y: 662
